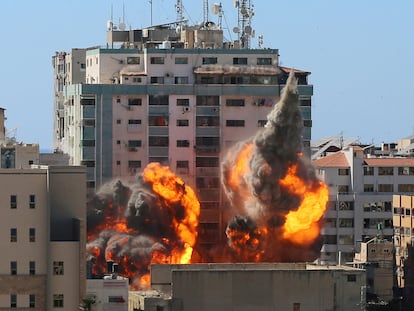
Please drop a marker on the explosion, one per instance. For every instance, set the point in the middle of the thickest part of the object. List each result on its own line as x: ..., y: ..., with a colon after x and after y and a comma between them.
x: 277, y: 205
x: 278, y: 199
x: 153, y: 221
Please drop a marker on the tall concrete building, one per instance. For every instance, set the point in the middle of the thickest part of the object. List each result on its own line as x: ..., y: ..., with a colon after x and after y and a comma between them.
x: 43, y: 237
x: 175, y: 94
x: 361, y: 189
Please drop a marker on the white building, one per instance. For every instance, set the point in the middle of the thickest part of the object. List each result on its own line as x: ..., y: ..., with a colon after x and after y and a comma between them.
x: 43, y: 234
x: 169, y: 94
x: 360, y: 204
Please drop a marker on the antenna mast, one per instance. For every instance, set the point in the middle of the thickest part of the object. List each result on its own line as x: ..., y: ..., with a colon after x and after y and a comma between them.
x: 245, y: 14
x: 179, y: 9
x: 205, y: 11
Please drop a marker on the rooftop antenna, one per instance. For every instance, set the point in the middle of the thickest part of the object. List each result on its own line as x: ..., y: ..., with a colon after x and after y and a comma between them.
x: 179, y: 9
x: 205, y: 12
x: 150, y: 1
x: 217, y: 9
x: 244, y: 29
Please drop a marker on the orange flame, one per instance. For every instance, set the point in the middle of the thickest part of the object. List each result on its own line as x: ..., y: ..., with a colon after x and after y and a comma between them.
x: 302, y: 225
x: 174, y: 190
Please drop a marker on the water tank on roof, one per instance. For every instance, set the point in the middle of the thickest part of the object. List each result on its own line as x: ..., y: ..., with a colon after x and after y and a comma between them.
x: 166, y: 45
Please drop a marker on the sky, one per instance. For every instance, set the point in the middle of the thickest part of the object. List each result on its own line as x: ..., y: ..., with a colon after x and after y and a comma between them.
x: 360, y: 54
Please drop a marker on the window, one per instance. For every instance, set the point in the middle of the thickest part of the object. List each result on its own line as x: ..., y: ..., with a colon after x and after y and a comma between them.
x: 181, y: 60
x: 58, y: 300
x: 118, y: 162
x: 239, y: 60
x: 385, y: 171
x: 134, y: 101
x: 207, y: 162
x: 13, y: 235
x: 136, y: 80
x: 351, y: 277
x: 368, y: 188
x: 235, y: 102
x: 118, y: 121
x: 406, y: 170
x: 158, y: 120
x: 182, y: 164
x: 208, y: 100
x: 307, y: 123
x: 58, y: 268
x: 207, y: 182
x: 209, y: 60
x: 134, y: 144
x: 32, y: 268
x: 405, y: 188
x: 13, y: 267
x: 181, y: 80
x: 32, y: 201
x: 329, y: 239
x: 368, y: 170
x: 133, y: 60
x: 346, y: 223
x: 208, y: 141
x: 182, y: 123
x: 183, y: 102
x: 157, y: 80
x: 116, y: 299
x: 343, y: 189
x: 261, y: 123
x: 32, y: 235
x: 13, y: 301
x: 305, y: 102
x: 207, y: 121
x: 13, y: 201
x: 346, y: 239
x: 32, y: 301
x: 157, y: 60
x: 134, y: 122
x: 346, y: 205
x: 235, y: 123
x: 158, y: 141
x: 88, y: 163
x: 343, y: 171
x: 296, y: 306
x: 134, y: 164
x: 158, y: 100
x: 385, y: 188
x: 88, y: 143
x: 264, y: 61
x: 183, y: 143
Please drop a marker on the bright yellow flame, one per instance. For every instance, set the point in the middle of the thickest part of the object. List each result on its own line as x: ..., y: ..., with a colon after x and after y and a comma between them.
x: 302, y: 225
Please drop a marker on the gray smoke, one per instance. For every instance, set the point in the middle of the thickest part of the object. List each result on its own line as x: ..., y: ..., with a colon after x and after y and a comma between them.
x: 258, y: 197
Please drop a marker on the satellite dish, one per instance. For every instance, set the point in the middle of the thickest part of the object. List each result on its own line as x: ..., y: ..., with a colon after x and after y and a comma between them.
x: 215, y: 8
x: 121, y: 26
x: 236, y: 30
x: 248, y: 30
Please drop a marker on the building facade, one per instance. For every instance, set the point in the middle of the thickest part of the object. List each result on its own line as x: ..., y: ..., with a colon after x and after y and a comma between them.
x: 280, y: 286
x: 181, y: 102
x: 361, y: 190
x: 43, y: 238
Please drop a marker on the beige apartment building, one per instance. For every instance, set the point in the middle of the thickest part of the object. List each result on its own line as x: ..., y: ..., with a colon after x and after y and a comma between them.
x: 361, y: 189
x: 43, y: 234
x: 176, y: 94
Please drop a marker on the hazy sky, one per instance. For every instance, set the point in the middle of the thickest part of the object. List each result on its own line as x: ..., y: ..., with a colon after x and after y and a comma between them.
x: 360, y: 54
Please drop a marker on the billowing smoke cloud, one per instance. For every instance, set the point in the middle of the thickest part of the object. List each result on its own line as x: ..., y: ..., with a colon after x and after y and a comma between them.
x: 275, y: 198
x: 266, y: 179
x: 151, y: 221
